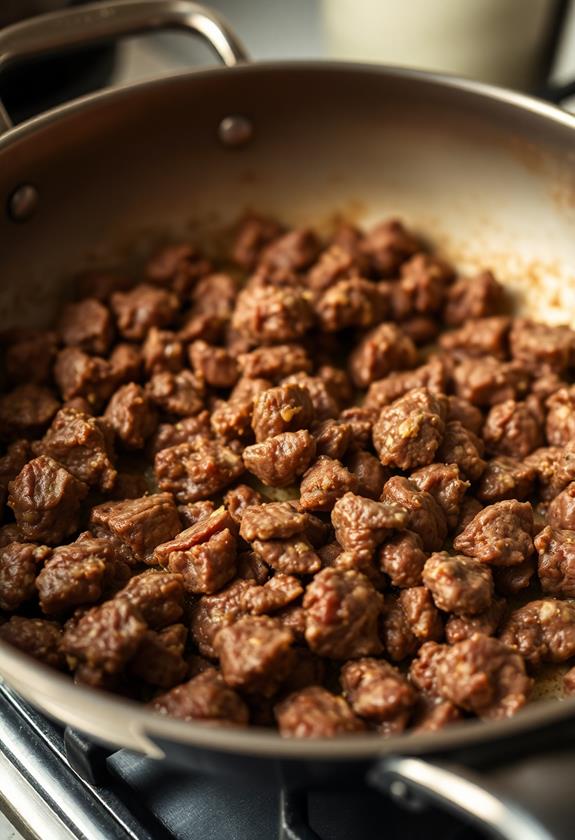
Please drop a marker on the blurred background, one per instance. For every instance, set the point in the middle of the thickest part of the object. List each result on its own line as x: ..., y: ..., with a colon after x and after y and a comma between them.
x: 522, y: 44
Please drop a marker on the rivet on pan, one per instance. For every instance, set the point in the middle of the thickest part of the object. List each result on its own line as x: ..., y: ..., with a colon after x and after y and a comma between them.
x: 401, y: 792
x: 23, y: 202
x: 235, y: 130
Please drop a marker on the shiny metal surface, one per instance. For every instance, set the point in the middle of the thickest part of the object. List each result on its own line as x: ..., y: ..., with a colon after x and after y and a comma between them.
x: 110, y: 20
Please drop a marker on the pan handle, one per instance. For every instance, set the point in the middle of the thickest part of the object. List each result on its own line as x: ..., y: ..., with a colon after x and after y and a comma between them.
x: 525, y: 798
x: 109, y: 20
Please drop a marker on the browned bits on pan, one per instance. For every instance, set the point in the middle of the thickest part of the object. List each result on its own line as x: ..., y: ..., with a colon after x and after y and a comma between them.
x: 300, y: 459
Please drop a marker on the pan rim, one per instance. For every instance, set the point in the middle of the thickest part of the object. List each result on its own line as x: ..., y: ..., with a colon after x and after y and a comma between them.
x: 145, y: 725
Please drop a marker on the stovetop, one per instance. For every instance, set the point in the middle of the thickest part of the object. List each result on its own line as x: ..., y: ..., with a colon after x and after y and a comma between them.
x: 136, y: 798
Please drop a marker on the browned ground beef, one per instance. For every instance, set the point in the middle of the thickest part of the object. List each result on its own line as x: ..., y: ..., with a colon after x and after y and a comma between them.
x: 298, y: 487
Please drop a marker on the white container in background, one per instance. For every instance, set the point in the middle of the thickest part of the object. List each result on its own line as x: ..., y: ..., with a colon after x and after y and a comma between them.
x: 496, y: 41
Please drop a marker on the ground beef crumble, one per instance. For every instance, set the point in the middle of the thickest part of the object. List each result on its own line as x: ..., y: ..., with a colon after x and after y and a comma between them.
x: 325, y: 485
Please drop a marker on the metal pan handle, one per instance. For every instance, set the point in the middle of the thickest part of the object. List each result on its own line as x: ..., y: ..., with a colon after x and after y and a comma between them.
x: 110, y: 20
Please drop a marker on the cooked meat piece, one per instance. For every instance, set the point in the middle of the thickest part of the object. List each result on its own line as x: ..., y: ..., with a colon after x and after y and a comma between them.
x: 326, y: 481
x: 542, y: 631
x: 424, y: 282
x: 75, y: 575
x: 137, y: 524
x: 542, y: 347
x: 293, y: 556
x: 444, y: 483
x: 388, y: 245
x: 19, y: 565
x: 333, y: 439
x: 351, y: 302
x: 215, y: 365
x: 409, y: 432
x: 561, y: 511
x: 473, y: 297
x: 79, y: 375
x: 458, y: 584
x: 424, y: 515
x: 462, y: 447
x: 488, y: 381
x: 29, y: 357
x: 205, y: 698
x: 158, y: 597
x: 460, y: 627
x: 193, y: 471
x: 377, y: 691
x: 483, y: 676
x: 204, y: 555
x: 46, y: 500
x: 500, y: 534
x: 26, y: 411
x: 506, y: 478
x: 87, y: 325
x: 512, y: 429
x: 315, y: 712
x: 268, y: 315
x: 383, y: 350
x: 36, y: 637
x: 255, y: 653
x: 385, y: 391
x: 556, y: 565
x: 479, y: 337
x: 402, y: 558
x: 286, y: 408
x: 142, y: 308
x: 179, y: 393
x: 132, y: 416
x: 362, y: 524
x: 342, y: 612
x: 279, y: 460
x: 369, y: 473
x: 554, y: 467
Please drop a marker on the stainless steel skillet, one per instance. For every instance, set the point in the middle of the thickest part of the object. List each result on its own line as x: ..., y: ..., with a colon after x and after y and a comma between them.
x: 488, y: 175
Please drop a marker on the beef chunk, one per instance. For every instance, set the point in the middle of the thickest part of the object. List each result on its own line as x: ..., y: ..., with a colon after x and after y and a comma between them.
x: 324, y: 483
x: 569, y: 681
x: 125, y: 363
x: 561, y: 511
x: 36, y: 637
x: 333, y: 438
x: 500, y: 534
x: 505, y: 478
x: 215, y: 365
x: 463, y: 448
x: 29, y: 357
x: 193, y: 471
x: 483, y: 676
x: 443, y: 482
x: 541, y: 346
x: 458, y: 584
x: 292, y: 556
x: 75, y: 575
x: 332, y: 265
x: 473, y: 297
x: 176, y: 393
x: 377, y: 691
x: 194, y: 511
x: 19, y: 564
x: 402, y: 558
x: 274, y: 363
x: 556, y: 566
x: 106, y: 637
x: 435, y: 715
x: 468, y: 415
x: 159, y: 660
x: 46, y: 500
x: 488, y: 381
x: 80, y: 375
x: 424, y: 281
x: 293, y: 251
x: 509, y: 580
x: 239, y: 498
x: 315, y: 712
x: 542, y: 631
x: 276, y: 520
x: 337, y: 383
x: 324, y: 404
x: 178, y: 265
x: 342, y: 616
x: 87, y: 325
x: 388, y: 245
x: 162, y: 351
x: 26, y: 411
x: 81, y: 444
x: 369, y: 473
x: 421, y: 616
x: 16, y: 456
x: 554, y: 467
x: 205, y: 698
x: 408, y: 432
x: 362, y: 524
x: 560, y: 426
x: 396, y: 633
x: 157, y: 596
x: 132, y: 416
x: 351, y: 302
x: 383, y: 350
x: 142, y: 308
x: 512, y: 429
x: 268, y: 315
x: 460, y: 627
x: 396, y: 385
x: 252, y: 235
x: 279, y: 460
x: 205, y: 554
x: 424, y: 515
x: 212, y: 612
x: 186, y: 429
x: 138, y: 524
x: 479, y: 337
x: 255, y: 653
x: 286, y: 408
x: 275, y: 594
